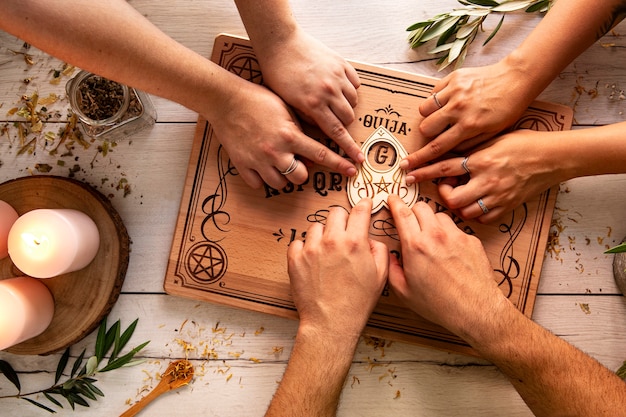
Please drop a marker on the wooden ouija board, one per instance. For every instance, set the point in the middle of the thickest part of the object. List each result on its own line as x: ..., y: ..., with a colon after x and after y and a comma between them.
x: 231, y: 241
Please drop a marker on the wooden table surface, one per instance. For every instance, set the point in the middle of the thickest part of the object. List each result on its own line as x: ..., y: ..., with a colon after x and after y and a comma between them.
x: 239, y: 355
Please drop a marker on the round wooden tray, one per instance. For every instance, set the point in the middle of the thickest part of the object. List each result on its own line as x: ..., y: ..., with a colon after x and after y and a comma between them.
x: 82, y: 298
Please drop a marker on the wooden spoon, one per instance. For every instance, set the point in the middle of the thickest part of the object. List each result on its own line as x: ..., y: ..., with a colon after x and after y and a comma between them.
x: 177, y: 374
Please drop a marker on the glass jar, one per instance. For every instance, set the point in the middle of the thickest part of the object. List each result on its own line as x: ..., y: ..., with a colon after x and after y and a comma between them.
x: 107, y: 110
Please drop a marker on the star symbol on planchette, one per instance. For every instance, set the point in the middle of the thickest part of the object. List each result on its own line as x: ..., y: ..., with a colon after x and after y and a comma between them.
x: 383, y: 186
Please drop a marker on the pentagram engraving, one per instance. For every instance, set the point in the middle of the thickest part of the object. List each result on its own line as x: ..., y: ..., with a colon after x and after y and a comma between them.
x: 382, y: 185
x: 207, y: 262
x: 533, y: 122
x: 247, y: 67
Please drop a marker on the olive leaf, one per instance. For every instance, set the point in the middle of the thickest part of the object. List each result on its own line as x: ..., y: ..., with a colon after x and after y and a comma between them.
x: 9, y: 372
x: 456, y: 30
x: 621, y: 372
x: 617, y: 249
x: 80, y: 386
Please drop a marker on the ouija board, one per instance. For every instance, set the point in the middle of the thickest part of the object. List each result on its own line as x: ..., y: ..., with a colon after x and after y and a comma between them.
x: 231, y: 241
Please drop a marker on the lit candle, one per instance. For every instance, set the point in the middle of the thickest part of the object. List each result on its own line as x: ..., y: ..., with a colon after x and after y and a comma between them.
x: 26, y: 310
x: 45, y: 243
x: 8, y: 216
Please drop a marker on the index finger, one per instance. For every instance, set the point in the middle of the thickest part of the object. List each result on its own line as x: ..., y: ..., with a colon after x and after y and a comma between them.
x: 434, y: 149
x: 332, y: 126
x: 451, y: 167
x: 404, y: 218
x: 320, y: 154
x: 359, y: 220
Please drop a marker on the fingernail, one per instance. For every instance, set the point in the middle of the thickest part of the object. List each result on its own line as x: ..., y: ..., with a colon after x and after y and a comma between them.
x: 409, y: 179
x: 404, y: 164
x: 361, y: 157
x: 351, y: 172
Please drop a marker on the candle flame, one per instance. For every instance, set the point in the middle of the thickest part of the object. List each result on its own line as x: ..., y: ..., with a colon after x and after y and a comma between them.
x: 32, y: 240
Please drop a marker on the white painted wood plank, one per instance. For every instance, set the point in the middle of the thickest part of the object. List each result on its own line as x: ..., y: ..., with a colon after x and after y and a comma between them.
x: 372, y: 33
x: 429, y: 381
x: 589, y: 218
x: 588, y: 313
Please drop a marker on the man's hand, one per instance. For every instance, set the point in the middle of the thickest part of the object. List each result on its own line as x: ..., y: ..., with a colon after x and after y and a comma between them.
x: 338, y: 274
x: 446, y: 276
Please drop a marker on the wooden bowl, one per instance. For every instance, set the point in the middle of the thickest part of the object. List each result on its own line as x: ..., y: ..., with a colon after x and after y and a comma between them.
x: 82, y: 298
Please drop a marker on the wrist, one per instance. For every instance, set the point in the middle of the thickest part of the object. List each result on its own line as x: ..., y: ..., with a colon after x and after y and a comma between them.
x: 486, y: 329
x: 217, y: 97
x: 269, y: 24
x: 325, y: 339
x: 528, y: 82
x: 276, y: 43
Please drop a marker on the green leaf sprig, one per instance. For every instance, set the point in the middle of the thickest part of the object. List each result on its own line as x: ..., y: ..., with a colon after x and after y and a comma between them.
x: 621, y: 372
x: 456, y: 30
x: 80, y: 386
x: 617, y: 249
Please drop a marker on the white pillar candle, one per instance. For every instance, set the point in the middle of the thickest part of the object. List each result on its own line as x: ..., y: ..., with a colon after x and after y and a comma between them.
x: 8, y: 216
x: 45, y: 243
x: 26, y: 310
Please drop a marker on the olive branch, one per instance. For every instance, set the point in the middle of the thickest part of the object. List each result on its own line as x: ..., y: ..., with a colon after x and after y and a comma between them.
x: 617, y: 249
x: 456, y: 30
x: 80, y: 386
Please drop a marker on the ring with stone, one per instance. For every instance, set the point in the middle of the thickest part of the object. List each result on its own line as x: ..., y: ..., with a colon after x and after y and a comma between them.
x: 482, y: 206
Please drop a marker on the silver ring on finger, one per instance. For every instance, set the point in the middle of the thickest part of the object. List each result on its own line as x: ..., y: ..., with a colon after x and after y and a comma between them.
x: 482, y: 206
x: 291, y: 168
x: 464, y: 165
x: 437, y: 101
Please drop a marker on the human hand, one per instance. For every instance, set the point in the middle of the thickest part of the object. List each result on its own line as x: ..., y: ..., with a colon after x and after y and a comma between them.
x: 262, y: 138
x: 446, y: 276
x: 317, y: 82
x: 338, y: 274
x: 504, y: 173
x: 476, y: 104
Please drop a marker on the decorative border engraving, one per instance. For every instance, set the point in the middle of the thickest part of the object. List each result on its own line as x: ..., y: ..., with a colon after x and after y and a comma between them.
x: 231, y: 241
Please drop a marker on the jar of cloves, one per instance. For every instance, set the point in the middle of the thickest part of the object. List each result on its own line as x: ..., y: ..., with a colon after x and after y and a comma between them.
x: 108, y: 110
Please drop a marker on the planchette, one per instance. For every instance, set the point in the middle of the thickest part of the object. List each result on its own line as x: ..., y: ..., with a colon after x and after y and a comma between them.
x: 380, y: 174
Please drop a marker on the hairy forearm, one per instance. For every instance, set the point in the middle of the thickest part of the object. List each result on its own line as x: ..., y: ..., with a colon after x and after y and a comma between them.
x: 114, y: 40
x: 552, y: 376
x: 315, y: 375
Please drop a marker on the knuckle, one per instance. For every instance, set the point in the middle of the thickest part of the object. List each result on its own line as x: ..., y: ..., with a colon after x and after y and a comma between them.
x: 320, y: 155
x: 268, y: 149
x: 327, y: 87
x: 336, y: 130
x: 287, y: 135
x: 444, y: 168
x: 470, y: 124
x: 435, y: 148
x: 313, y: 102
